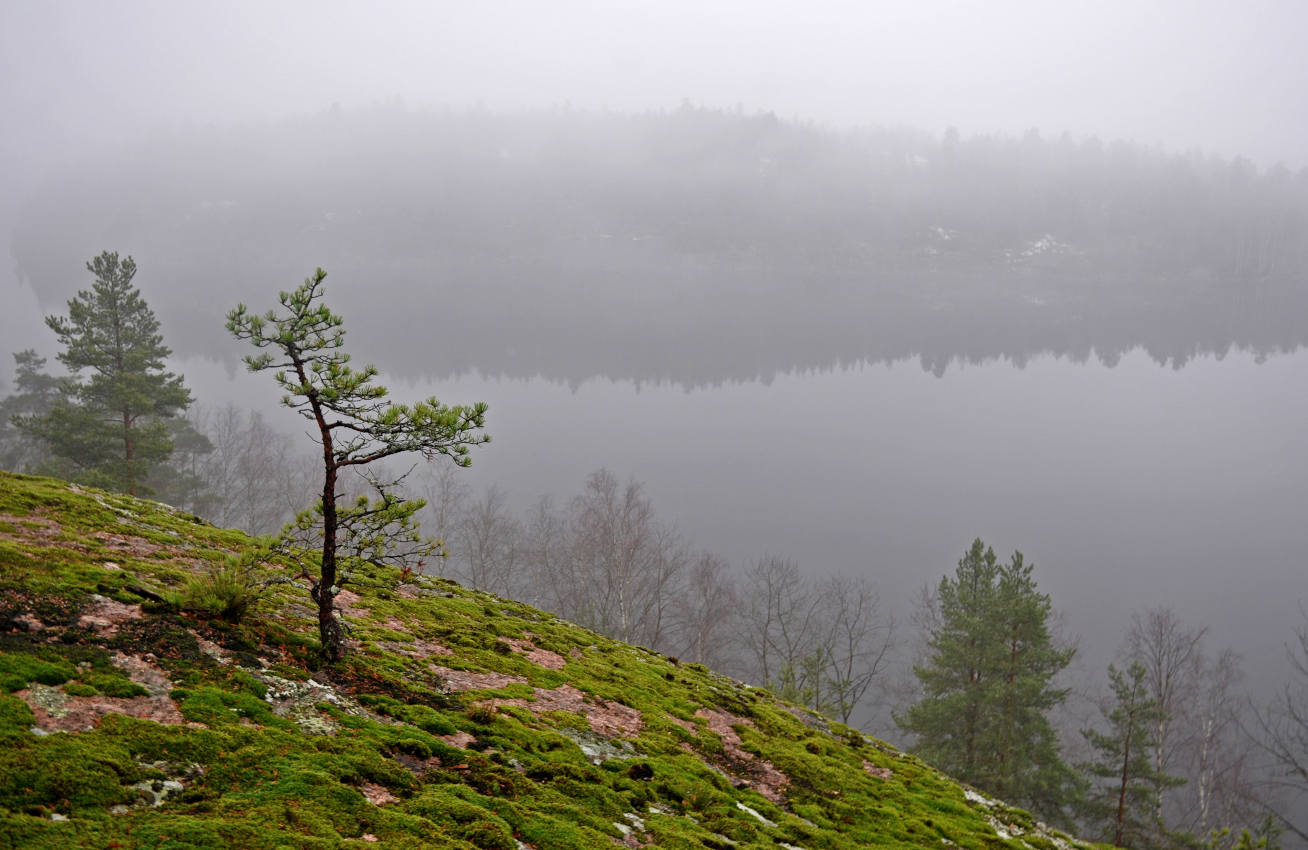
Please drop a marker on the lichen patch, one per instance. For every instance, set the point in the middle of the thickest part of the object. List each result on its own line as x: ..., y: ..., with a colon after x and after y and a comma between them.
x: 297, y: 701
x: 56, y: 711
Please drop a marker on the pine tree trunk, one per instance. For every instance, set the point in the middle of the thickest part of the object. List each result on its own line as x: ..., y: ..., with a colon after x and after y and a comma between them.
x: 1121, y: 798
x: 330, y: 633
x: 128, y: 453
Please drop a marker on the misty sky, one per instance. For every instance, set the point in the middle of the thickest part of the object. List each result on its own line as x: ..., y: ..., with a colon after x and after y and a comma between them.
x: 1226, y: 77
x: 1221, y: 76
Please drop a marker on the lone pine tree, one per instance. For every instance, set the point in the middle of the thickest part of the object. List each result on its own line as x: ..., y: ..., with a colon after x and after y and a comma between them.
x: 356, y: 426
x: 109, y: 426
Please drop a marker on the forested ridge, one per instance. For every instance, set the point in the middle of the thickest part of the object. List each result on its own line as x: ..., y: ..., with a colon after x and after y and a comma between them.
x: 752, y: 244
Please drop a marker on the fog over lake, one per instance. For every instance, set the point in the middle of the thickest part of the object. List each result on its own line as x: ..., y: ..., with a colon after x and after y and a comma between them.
x: 1130, y: 486
x: 850, y: 284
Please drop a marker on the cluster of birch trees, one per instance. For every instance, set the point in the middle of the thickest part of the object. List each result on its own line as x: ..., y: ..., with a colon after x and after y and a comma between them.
x: 604, y: 560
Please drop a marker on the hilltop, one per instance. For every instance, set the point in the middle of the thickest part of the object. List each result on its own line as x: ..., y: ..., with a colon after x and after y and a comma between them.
x: 131, y: 716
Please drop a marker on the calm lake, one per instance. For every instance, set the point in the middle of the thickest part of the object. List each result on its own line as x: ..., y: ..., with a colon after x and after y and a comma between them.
x: 1129, y: 486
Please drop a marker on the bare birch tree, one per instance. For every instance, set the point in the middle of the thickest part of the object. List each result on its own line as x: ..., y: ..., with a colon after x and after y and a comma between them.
x: 1281, y: 732
x: 857, y: 644
x: 621, y: 570
x: 706, y: 613
x: 1169, y: 653
x: 254, y: 477
x: 485, y: 546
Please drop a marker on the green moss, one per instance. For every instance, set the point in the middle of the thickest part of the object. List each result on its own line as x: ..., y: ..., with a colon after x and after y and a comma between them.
x: 15, y: 718
x: 422, y: 716
x: 216, y: 707
x: 252, y: 779
x: 17, y: 671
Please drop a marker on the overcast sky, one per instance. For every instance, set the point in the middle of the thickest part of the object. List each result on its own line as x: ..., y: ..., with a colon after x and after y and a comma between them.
x: 1226, y: 76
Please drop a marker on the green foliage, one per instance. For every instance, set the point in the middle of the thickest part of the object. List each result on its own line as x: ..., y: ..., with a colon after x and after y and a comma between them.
x: 357, y: 427
x: 228, y: 589
x: 989, y: 683
x: 35, y: 394
x: 1120, y: 804
x: 110, y: 428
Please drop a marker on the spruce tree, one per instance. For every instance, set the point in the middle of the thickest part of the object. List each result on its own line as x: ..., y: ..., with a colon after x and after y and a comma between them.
x: 988, y: 684
x: 356, y: 426
x: 109, y: 428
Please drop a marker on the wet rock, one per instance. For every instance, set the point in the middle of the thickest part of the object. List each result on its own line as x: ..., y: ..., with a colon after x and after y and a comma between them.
x: 104, y: 615
x: 610, y: 719
x: 598, y: 748
x: 462, y: 680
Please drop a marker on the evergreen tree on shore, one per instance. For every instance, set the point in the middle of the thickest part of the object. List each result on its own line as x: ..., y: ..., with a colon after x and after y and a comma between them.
x: 988, y: 684
x: 109, y: 426
x: 1122, y: 803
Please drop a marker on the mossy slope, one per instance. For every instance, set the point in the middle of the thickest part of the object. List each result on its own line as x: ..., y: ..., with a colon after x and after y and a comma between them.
x: 459, y: 719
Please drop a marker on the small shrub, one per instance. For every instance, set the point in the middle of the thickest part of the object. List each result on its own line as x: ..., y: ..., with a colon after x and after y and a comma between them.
x: 481, y: 714
x: 227, y: 590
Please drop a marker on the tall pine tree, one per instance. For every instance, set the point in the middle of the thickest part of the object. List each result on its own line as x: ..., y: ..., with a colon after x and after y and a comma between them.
x: 988, y: 684
x: 109, y: 428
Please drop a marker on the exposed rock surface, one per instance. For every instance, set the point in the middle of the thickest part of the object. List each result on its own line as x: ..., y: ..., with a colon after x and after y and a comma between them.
x: 746, y: 767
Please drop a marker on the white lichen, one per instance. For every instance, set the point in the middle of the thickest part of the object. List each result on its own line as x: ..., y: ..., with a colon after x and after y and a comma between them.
x: 747, y: 810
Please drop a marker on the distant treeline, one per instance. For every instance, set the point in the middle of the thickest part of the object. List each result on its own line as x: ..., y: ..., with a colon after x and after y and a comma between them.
x: 694, y: 245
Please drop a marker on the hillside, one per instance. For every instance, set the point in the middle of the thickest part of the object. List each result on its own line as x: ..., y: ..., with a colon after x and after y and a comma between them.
x: 459, y: 720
